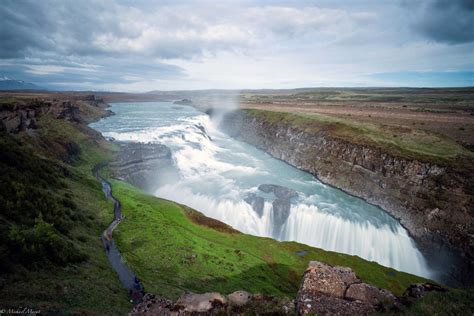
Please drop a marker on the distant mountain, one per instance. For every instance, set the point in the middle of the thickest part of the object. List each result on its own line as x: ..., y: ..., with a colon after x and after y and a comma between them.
x: 12, y: 84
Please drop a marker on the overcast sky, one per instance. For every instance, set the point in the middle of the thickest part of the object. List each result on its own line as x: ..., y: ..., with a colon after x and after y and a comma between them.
x: 165, y: 45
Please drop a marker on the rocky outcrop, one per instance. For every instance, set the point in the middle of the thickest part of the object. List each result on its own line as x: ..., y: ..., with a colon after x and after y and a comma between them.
x: 138, y: 164
x: 239, y: 298
x: 416, y: 291
x: 432, y: 201
x: 236, y: 303
x: 69, y: 112
x: 327, y: 290
x: 280, y: 192
x: 18, y: 117
x: 200, y: 303
x: 281, y: 205
x: 257, y: 203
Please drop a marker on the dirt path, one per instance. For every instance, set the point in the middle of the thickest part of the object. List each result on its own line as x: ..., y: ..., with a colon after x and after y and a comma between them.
x: 125, y: 274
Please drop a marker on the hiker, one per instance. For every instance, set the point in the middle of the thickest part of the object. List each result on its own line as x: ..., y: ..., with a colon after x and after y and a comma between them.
x: 107, y: 247
x: 137, y: 284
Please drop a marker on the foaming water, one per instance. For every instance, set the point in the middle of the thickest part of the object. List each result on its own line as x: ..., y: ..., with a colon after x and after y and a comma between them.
x: 217, y: 173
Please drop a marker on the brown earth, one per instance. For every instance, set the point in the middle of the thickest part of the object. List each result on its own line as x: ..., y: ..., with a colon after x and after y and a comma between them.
x: 458, y: 125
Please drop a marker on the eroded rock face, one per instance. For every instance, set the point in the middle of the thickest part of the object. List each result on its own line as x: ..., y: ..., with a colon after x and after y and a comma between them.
x: 282, y: 204
x: 144, y: 165
x: 281, y: 211
x: 328, y: 290
x: 432, y: 201
x: 257, y: 203
x: 19, y: 117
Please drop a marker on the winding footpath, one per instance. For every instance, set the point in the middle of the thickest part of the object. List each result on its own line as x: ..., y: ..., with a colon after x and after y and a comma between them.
x: 126, y: 275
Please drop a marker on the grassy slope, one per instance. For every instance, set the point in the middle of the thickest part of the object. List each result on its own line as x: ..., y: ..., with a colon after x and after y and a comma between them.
x: 89, y: 287
x: 399, y: 141
x: 454, y: 302
x: 171, y: 253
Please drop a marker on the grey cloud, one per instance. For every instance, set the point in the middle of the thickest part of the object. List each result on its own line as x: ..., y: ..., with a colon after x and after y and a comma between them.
x: 447, y: 21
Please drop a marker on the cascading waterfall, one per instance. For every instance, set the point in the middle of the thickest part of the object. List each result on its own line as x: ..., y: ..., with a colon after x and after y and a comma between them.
x: 217, y: 173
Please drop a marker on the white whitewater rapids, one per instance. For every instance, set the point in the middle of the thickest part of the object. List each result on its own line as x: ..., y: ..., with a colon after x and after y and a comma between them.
x: 218, y: 172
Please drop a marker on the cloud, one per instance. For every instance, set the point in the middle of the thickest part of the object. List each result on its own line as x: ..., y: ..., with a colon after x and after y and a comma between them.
x: 447, y: 21
x: 205, y: 44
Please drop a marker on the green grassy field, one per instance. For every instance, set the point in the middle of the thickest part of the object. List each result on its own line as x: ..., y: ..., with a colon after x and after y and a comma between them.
x: 400, y: 141
x: 454, y: 98
x: 173, y: 249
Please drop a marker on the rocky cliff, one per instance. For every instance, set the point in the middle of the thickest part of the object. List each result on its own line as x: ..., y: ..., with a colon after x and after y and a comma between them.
x: 22, y: 115
x: 433, y: 201
x: 146, y: 166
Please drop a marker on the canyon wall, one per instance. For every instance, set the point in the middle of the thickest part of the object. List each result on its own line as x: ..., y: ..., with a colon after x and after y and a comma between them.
x: 433, y: 201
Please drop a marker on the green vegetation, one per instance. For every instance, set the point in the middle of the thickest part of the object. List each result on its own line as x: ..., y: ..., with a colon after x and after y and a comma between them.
x: 52, y: 212
x: 450, y: 98
x: 399, y: 141
x: 454, y: 302
x: 173, y: 249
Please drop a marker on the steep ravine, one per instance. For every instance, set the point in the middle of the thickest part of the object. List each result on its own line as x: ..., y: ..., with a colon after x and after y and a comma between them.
x: 434, y: 202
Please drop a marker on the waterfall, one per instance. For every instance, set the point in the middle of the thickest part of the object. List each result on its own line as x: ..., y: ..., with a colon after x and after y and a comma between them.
x: 217, y: 173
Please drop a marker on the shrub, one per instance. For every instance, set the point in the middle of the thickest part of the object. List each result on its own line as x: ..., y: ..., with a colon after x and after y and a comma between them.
x: 42, y: 243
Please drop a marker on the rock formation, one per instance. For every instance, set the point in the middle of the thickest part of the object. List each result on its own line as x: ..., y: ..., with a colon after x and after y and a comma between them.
x: 145, y: 165
x: 327, y: 290
x: 281, y: 205
x: 257, y: 203
x: 279, y: 191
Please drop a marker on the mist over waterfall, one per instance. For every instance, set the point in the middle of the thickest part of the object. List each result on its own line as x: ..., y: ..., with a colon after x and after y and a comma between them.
x: 223, y: 178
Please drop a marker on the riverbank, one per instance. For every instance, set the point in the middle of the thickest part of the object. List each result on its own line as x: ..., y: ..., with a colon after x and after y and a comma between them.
x: 411, y: 179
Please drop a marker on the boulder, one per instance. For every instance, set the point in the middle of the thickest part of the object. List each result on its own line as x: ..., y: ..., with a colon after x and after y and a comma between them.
x: 368, y: 294
x: 328, y: 290
x: 323, y: 278
x: 199, y: 303
x: 147, y: 166
x: 415, y: 291
x: 257, y: 203
x: 239, y: 298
